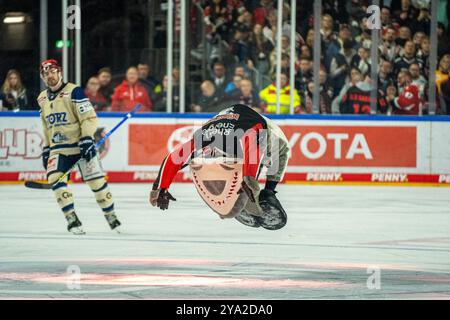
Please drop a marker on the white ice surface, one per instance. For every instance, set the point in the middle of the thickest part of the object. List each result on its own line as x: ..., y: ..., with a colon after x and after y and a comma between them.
x: 333, y: 234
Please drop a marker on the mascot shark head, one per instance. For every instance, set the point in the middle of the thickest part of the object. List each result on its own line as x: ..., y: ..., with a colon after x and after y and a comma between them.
x: 218, y: 181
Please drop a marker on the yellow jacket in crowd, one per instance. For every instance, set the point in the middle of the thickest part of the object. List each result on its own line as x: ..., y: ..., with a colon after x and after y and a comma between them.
x: 268, y: 98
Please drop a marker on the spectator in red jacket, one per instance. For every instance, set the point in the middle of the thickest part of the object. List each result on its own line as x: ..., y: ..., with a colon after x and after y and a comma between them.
x: 131, y: 92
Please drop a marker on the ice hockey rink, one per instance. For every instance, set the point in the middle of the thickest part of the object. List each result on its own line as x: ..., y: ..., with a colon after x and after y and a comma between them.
x: 341, y: 242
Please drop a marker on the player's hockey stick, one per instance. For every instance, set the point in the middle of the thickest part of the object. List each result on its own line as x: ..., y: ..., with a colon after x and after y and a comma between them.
x: 38, y: 185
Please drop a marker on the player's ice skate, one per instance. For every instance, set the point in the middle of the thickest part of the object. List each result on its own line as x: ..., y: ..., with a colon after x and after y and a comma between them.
x: 113, y: 222
x: 74, y: 224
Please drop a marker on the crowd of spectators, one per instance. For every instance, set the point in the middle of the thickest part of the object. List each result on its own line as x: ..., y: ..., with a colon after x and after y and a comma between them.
x: 249, y: 30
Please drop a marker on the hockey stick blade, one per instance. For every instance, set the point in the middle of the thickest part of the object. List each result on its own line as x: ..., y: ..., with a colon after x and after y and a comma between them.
x: 39, y: 185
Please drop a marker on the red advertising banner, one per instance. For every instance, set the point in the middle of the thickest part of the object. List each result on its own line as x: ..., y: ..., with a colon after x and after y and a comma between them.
x: 148, y: 144
x: 333, y: 146
x: 352, y: 146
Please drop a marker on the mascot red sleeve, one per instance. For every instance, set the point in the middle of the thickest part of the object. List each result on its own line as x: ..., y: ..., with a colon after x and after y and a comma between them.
x: 408, y: 102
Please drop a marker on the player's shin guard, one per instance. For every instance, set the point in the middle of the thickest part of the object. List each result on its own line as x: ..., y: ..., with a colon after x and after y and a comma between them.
x: 65, y: 201
x: 105, y: 201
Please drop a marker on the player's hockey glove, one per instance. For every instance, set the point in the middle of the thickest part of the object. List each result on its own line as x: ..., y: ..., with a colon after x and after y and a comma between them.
x: 87, y: 148
x: 45, y: 156
x: 160, y: 198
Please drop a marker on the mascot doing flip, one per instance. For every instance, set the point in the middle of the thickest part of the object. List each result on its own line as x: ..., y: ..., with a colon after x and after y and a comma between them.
x: 225, y: 157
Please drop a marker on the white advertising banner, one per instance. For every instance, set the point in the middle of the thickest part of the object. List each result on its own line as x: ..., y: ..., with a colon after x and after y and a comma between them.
x: 321, y: 150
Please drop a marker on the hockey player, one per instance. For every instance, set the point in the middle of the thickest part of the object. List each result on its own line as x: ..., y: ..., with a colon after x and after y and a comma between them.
x: 69, y: 123
x: 225, y: 157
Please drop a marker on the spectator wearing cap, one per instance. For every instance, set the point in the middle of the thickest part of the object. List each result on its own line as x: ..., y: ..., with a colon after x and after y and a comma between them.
x: 268, y: 96
x: 97, y: 99
x: 407, y: 58
x: 13, y: 94
x: 129, y: 93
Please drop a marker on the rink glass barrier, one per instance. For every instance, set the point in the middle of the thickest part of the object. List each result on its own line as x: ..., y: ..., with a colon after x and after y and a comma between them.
x: 324, y: 149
